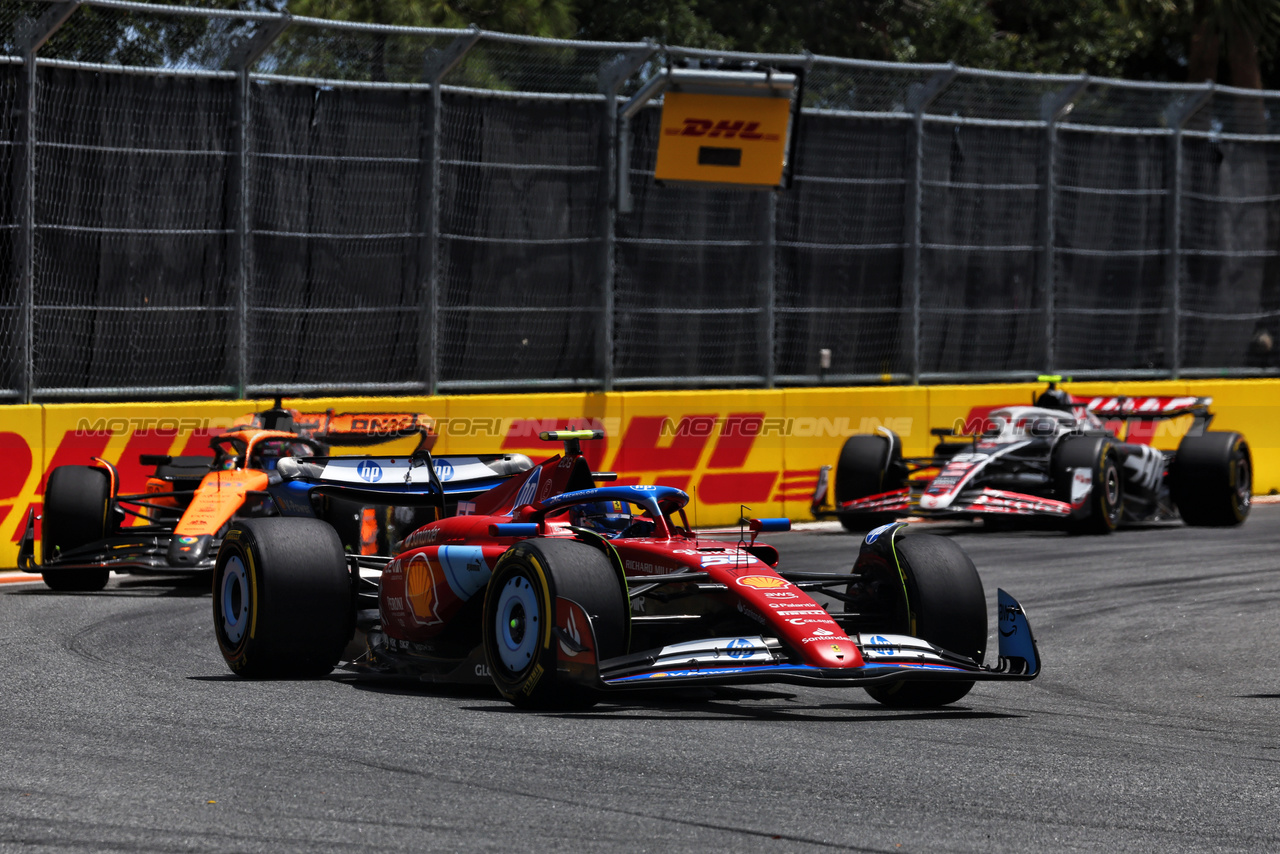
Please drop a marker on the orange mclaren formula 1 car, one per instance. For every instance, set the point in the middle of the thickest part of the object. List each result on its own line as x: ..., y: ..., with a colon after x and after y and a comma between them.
x: 190, y: 501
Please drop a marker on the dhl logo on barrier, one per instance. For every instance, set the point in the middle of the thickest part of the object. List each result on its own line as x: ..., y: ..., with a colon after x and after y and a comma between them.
x: 706, y: 455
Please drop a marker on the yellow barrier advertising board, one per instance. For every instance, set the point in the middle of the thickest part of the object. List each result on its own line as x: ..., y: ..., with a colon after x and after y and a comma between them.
x: 761, y: 449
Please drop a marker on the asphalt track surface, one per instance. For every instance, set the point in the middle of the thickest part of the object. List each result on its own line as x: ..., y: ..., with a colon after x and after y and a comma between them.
x: 1152, y: 728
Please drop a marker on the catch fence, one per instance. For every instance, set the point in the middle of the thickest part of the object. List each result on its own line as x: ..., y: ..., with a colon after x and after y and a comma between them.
x: 212, y: 203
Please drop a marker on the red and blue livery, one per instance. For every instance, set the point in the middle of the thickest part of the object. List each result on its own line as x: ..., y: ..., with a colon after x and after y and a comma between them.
x: 561, y: 588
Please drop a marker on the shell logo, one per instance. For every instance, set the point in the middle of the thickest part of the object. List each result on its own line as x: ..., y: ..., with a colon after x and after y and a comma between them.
x: 420, y: 586
x: 763, y: 582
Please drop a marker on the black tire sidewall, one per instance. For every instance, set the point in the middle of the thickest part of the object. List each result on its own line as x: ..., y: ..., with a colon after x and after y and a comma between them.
x: 1204, y: 478
x: 556, y: 569
x: 301, y: 611
x: 520, y: 687
x: 1098, y: 515
x: 862, y: 469
x: 240, y: 546
x: 77, y: 504
x: 77, y: 512
x: 945, y: 595
x: 1107, y: 514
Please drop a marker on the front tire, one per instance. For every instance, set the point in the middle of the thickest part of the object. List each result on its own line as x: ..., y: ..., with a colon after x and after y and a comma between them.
x: 519, y: 618
x: 77, y: 512
x: 1105, y: 504
x: 868, y: 465
x: 1211, y: 479
x: 282, y: 600
x: 946, y: 606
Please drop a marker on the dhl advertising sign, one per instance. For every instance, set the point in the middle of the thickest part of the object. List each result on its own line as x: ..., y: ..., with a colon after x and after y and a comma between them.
x: 762, y: 449
x: 723, y: 139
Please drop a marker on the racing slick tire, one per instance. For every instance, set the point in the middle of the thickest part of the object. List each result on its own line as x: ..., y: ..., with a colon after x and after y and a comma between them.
x: 947, y: 607
x: 282, y: 600
x: 519, y: 620
x: 868, y: 465
x: 1211, y: 479
x: 1104, y: 508
x: 77, y: 511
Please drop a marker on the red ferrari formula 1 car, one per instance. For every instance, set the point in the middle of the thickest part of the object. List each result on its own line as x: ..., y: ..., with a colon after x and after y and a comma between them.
x: 1074, y: 462
x: 560, y: 591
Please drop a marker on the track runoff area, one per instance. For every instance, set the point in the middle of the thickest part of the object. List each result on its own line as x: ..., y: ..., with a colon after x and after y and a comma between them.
x: 1151, y: 728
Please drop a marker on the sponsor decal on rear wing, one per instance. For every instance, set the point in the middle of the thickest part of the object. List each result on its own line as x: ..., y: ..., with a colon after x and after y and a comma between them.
x: 356, y: 428
x: 1146, y: 408
x: 352, y: 428
x: 418, y: 473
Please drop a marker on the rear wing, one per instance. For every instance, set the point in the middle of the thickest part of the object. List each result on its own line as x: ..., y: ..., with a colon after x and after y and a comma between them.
x: 1125, y: 408
x: 368, y: 428
x: 467, y: 476
x: 357, y: 429
x: 416, y: 479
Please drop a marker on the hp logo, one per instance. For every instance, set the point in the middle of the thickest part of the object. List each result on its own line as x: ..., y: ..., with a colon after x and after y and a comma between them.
x: 370, y: 471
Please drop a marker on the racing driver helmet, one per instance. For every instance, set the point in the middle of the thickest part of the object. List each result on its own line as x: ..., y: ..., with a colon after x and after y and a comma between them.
x: 605, y: 517
x: 1054, y: 398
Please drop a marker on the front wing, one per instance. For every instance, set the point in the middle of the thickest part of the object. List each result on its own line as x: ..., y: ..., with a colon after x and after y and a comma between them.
x: 887, y: 658
x: 140, y: 549
x: 978, y: 501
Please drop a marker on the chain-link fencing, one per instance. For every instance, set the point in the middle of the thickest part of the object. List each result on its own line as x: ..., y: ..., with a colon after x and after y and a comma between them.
x: 224, y: 203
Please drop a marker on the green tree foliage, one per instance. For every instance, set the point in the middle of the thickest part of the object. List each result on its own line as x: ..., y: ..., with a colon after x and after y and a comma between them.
x: 1141, y: 39
x: 548, y: 18
x: 1232, y: 41
x: 1237, y: 34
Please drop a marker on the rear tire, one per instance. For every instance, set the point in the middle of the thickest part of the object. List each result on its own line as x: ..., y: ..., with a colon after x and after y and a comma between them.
x: 77, y: 512
x: 519, y: 619
x: 868, y: 465
x: 1211, y: 479
x: 946, y: 607
x: 282, y: 599
x: 1105, y: 506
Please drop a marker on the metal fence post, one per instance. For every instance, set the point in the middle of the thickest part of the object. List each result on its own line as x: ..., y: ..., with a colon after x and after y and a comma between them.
x: 1054, y: 106
x: 919, y: 99
x: 38, y: 33
x: 242, y: 60
x: 434, y: 71
x: 1177, y: 115
x: 612, y: 75
x: 769, y: 287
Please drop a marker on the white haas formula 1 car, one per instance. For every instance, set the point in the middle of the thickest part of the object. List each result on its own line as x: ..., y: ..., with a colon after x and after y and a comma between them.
x: 1055, y: 460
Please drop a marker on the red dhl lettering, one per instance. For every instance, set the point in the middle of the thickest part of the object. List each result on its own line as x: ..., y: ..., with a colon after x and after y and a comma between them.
x: 723, y: 129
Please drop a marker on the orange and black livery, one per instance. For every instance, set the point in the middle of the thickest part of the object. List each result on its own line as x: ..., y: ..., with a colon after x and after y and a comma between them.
x: 177, y: 523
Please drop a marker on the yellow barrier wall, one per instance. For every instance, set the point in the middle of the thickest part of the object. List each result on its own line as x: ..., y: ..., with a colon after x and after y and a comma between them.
x: 758, y: 448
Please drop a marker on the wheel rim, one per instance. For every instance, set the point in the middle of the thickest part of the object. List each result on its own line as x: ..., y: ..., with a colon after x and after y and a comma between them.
x: 1244, y: 483
x: 235, y: 599
x: 1111, y: 493
x: 517, y: 621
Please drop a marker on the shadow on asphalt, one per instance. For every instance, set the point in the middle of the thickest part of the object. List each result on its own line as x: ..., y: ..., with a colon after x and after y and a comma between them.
x: 182, y: 588
x: 687, y: 704
x: 1038, y: 527
x: 668, y: 711
x: 721, y: 703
